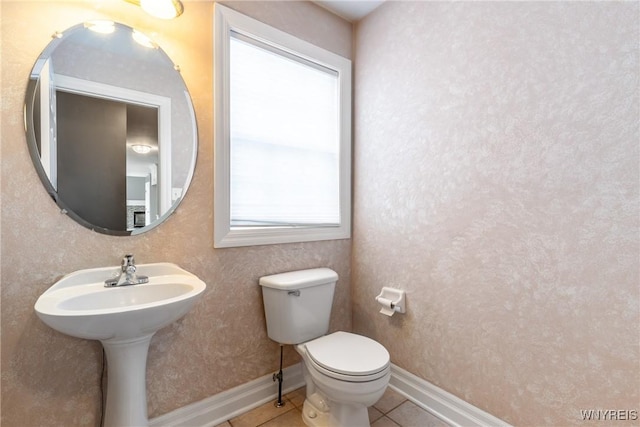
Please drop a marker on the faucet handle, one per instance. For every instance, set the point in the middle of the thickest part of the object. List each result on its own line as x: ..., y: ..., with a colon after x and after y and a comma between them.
x: 127, y: 261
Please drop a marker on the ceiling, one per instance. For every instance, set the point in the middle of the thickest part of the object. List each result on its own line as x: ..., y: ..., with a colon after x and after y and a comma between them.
x: 351, y: 10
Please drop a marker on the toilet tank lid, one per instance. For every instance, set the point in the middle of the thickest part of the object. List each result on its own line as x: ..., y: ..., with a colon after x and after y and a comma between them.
x: 299, y: 279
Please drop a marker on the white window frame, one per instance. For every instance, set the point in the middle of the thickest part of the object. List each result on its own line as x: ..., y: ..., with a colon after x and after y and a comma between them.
x: 226, y: 21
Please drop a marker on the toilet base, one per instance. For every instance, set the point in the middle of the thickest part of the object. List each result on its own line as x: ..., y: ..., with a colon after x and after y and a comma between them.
x: 316, y: 413
x: 314, y: 416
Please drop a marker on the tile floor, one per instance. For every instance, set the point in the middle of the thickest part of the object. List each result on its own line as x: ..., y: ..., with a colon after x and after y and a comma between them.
x: 392, y: 410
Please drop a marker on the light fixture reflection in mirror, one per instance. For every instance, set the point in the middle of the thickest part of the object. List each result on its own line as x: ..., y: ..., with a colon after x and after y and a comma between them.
x: 102, y: 27
x: 141, y: 149
x: 90, y: 88
x: 143, y: 40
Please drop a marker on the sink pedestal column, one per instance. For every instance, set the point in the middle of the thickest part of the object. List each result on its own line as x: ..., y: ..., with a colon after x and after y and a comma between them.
x: 126, y: 387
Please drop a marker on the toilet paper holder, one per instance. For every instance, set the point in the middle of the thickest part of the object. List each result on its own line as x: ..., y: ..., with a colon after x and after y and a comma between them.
x: 392, y: 300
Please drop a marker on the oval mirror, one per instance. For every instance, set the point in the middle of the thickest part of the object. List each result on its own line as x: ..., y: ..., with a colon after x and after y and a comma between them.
x: 110, y: 128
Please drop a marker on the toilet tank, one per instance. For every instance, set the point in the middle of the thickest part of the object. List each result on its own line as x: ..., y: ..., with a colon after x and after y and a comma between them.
x: 297, y: 304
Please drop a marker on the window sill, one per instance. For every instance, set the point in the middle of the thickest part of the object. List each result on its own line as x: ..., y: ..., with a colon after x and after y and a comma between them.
x: 254, y: 236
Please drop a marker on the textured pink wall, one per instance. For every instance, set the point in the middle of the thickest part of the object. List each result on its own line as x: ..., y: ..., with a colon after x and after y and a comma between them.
x: 51, y: 379
x: 497, y: 181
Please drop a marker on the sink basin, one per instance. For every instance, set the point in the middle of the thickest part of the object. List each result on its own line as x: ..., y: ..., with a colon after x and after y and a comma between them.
x: 124, y: 319
x: 79, y: 304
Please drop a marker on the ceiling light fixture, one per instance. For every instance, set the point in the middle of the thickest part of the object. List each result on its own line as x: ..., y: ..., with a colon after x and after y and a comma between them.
x: 163, y: 9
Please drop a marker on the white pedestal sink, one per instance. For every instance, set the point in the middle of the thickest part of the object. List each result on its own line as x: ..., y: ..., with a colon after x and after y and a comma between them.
x: 124, y: 319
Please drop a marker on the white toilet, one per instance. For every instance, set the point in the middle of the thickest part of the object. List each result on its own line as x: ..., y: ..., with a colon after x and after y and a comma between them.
x: 344, y: 372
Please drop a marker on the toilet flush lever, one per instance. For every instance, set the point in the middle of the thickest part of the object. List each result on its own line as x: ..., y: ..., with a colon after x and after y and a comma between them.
x: 295, y: 293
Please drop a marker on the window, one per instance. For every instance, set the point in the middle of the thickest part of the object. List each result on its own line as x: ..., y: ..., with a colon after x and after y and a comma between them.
x: 282, y: 136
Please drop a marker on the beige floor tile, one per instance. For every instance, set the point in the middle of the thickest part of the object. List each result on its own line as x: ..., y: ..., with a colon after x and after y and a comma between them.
x: 399, y: 413
x: 384, y: 422
x: 297, y: 397
x: 389, y: 400
x: 374, y: 414
x: 411, y: 415
x: 290, y: 419
x: 260, y: 415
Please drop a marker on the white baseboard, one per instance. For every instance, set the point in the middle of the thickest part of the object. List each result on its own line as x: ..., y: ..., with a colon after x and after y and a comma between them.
x: 223, y: 406
x: 449, y: 408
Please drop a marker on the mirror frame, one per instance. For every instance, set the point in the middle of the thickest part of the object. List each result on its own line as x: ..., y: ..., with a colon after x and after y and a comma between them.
x: 30, y: 100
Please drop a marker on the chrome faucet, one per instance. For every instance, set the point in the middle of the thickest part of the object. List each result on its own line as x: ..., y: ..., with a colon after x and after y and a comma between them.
x: 127, y: 275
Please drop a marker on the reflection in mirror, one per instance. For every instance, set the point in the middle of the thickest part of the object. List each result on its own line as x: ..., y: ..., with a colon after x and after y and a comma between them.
x: 110, y: 128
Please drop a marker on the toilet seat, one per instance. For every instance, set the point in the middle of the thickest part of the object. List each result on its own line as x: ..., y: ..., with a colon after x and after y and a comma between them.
x: 348, y: 357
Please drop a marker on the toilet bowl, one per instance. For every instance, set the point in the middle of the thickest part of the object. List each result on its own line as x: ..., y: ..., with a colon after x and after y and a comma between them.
x: 344, y: 372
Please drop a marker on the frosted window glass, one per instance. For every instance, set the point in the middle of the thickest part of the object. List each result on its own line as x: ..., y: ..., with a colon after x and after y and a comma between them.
x: 284, y: 138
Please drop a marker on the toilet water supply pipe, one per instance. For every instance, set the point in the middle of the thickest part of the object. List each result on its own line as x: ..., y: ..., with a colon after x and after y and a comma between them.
x: 279, y: 377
